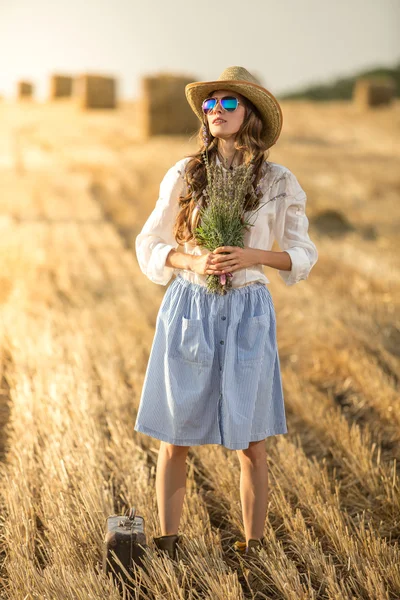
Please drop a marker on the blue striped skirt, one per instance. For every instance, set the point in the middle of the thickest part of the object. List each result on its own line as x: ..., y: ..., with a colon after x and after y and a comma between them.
x: 213, y: 375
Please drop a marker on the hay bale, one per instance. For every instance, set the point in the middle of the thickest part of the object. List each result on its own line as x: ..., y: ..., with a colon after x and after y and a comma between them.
x: 163, y: 108
x: 24, y: 89
x: 60, y: 86
x: 95, y: 91
x: 374, y: 91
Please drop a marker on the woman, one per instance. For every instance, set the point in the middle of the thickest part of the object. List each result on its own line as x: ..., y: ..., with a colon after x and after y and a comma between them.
x: 213, y: 375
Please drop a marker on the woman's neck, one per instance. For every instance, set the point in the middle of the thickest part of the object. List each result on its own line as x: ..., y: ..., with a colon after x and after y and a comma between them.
x: 229, y: 155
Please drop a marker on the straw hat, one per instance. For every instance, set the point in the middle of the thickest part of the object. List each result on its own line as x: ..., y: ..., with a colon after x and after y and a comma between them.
x: 238, y: 79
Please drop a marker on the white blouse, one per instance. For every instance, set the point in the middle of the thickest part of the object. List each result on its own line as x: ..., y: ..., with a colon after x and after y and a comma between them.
x: 282, y: 217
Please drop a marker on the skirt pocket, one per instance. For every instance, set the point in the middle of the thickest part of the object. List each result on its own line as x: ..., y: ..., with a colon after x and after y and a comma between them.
x: 252, y: 334
x: 189, y: 344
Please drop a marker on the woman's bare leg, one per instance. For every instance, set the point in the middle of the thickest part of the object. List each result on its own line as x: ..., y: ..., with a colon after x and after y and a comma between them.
x: 254, y: 488
x: 170, y: 485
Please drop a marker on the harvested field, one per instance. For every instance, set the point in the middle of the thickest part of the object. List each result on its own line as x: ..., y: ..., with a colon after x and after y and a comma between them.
x: 77, y: 322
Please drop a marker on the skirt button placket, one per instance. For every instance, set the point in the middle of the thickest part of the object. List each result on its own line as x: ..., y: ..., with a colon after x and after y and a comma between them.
x: 221, y: 332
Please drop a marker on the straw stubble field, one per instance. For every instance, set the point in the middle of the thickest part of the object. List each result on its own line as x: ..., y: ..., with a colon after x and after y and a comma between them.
x: 77, y: 322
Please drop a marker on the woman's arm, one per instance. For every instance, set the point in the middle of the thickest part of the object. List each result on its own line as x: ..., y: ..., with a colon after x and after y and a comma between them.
x: 290, y: 229
x: 156, y: 240
x: 276, y: 260
x: 179, y: 260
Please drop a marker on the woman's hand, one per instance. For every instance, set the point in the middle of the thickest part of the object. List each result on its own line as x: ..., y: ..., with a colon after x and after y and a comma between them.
x: 232, y: 258
x: 202, y: 265
x: 224, y: 259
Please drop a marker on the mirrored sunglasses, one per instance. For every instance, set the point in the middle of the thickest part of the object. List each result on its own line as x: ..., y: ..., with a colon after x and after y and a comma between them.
x: 228, y: 103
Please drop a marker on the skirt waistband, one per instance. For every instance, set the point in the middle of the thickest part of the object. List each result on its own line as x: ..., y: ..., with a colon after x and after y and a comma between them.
x: 251, y: 285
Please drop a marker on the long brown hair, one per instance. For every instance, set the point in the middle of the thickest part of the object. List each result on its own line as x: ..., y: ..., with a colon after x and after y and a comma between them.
x: 248, y: 141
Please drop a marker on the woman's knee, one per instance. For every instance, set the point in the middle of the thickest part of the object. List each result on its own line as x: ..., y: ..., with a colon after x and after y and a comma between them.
x: 173, y: 449
x: 255, y: 453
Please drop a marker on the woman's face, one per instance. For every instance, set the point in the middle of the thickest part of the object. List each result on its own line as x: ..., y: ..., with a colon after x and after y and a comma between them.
x: 231, y: 121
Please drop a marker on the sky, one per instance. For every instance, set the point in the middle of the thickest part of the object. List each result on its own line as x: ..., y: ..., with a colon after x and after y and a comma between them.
x: 286, y: 44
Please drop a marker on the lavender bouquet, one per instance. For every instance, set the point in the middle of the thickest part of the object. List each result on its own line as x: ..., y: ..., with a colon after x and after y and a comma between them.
x: 222, y: 219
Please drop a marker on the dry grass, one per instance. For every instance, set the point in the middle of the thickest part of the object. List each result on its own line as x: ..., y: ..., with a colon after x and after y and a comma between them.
x: 77, y: 322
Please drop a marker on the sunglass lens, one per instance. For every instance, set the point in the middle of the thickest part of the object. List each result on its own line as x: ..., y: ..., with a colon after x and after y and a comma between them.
x: 208, y: 105
x: 229, y: 103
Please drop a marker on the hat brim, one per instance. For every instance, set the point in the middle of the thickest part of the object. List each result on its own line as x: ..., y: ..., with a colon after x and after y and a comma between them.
x: 263, y: 100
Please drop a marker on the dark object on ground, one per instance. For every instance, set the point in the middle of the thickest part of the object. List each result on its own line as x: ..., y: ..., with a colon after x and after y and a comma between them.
x: 125, y: 539
x: 332, y: 223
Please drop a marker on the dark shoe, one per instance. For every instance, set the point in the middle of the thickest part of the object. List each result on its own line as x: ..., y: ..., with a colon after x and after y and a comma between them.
x: 255, y: 543
x: 167, y: 543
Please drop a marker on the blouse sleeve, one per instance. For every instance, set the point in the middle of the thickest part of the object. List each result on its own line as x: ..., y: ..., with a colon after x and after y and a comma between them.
x: 291, y: 228
x: 155, y: 241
